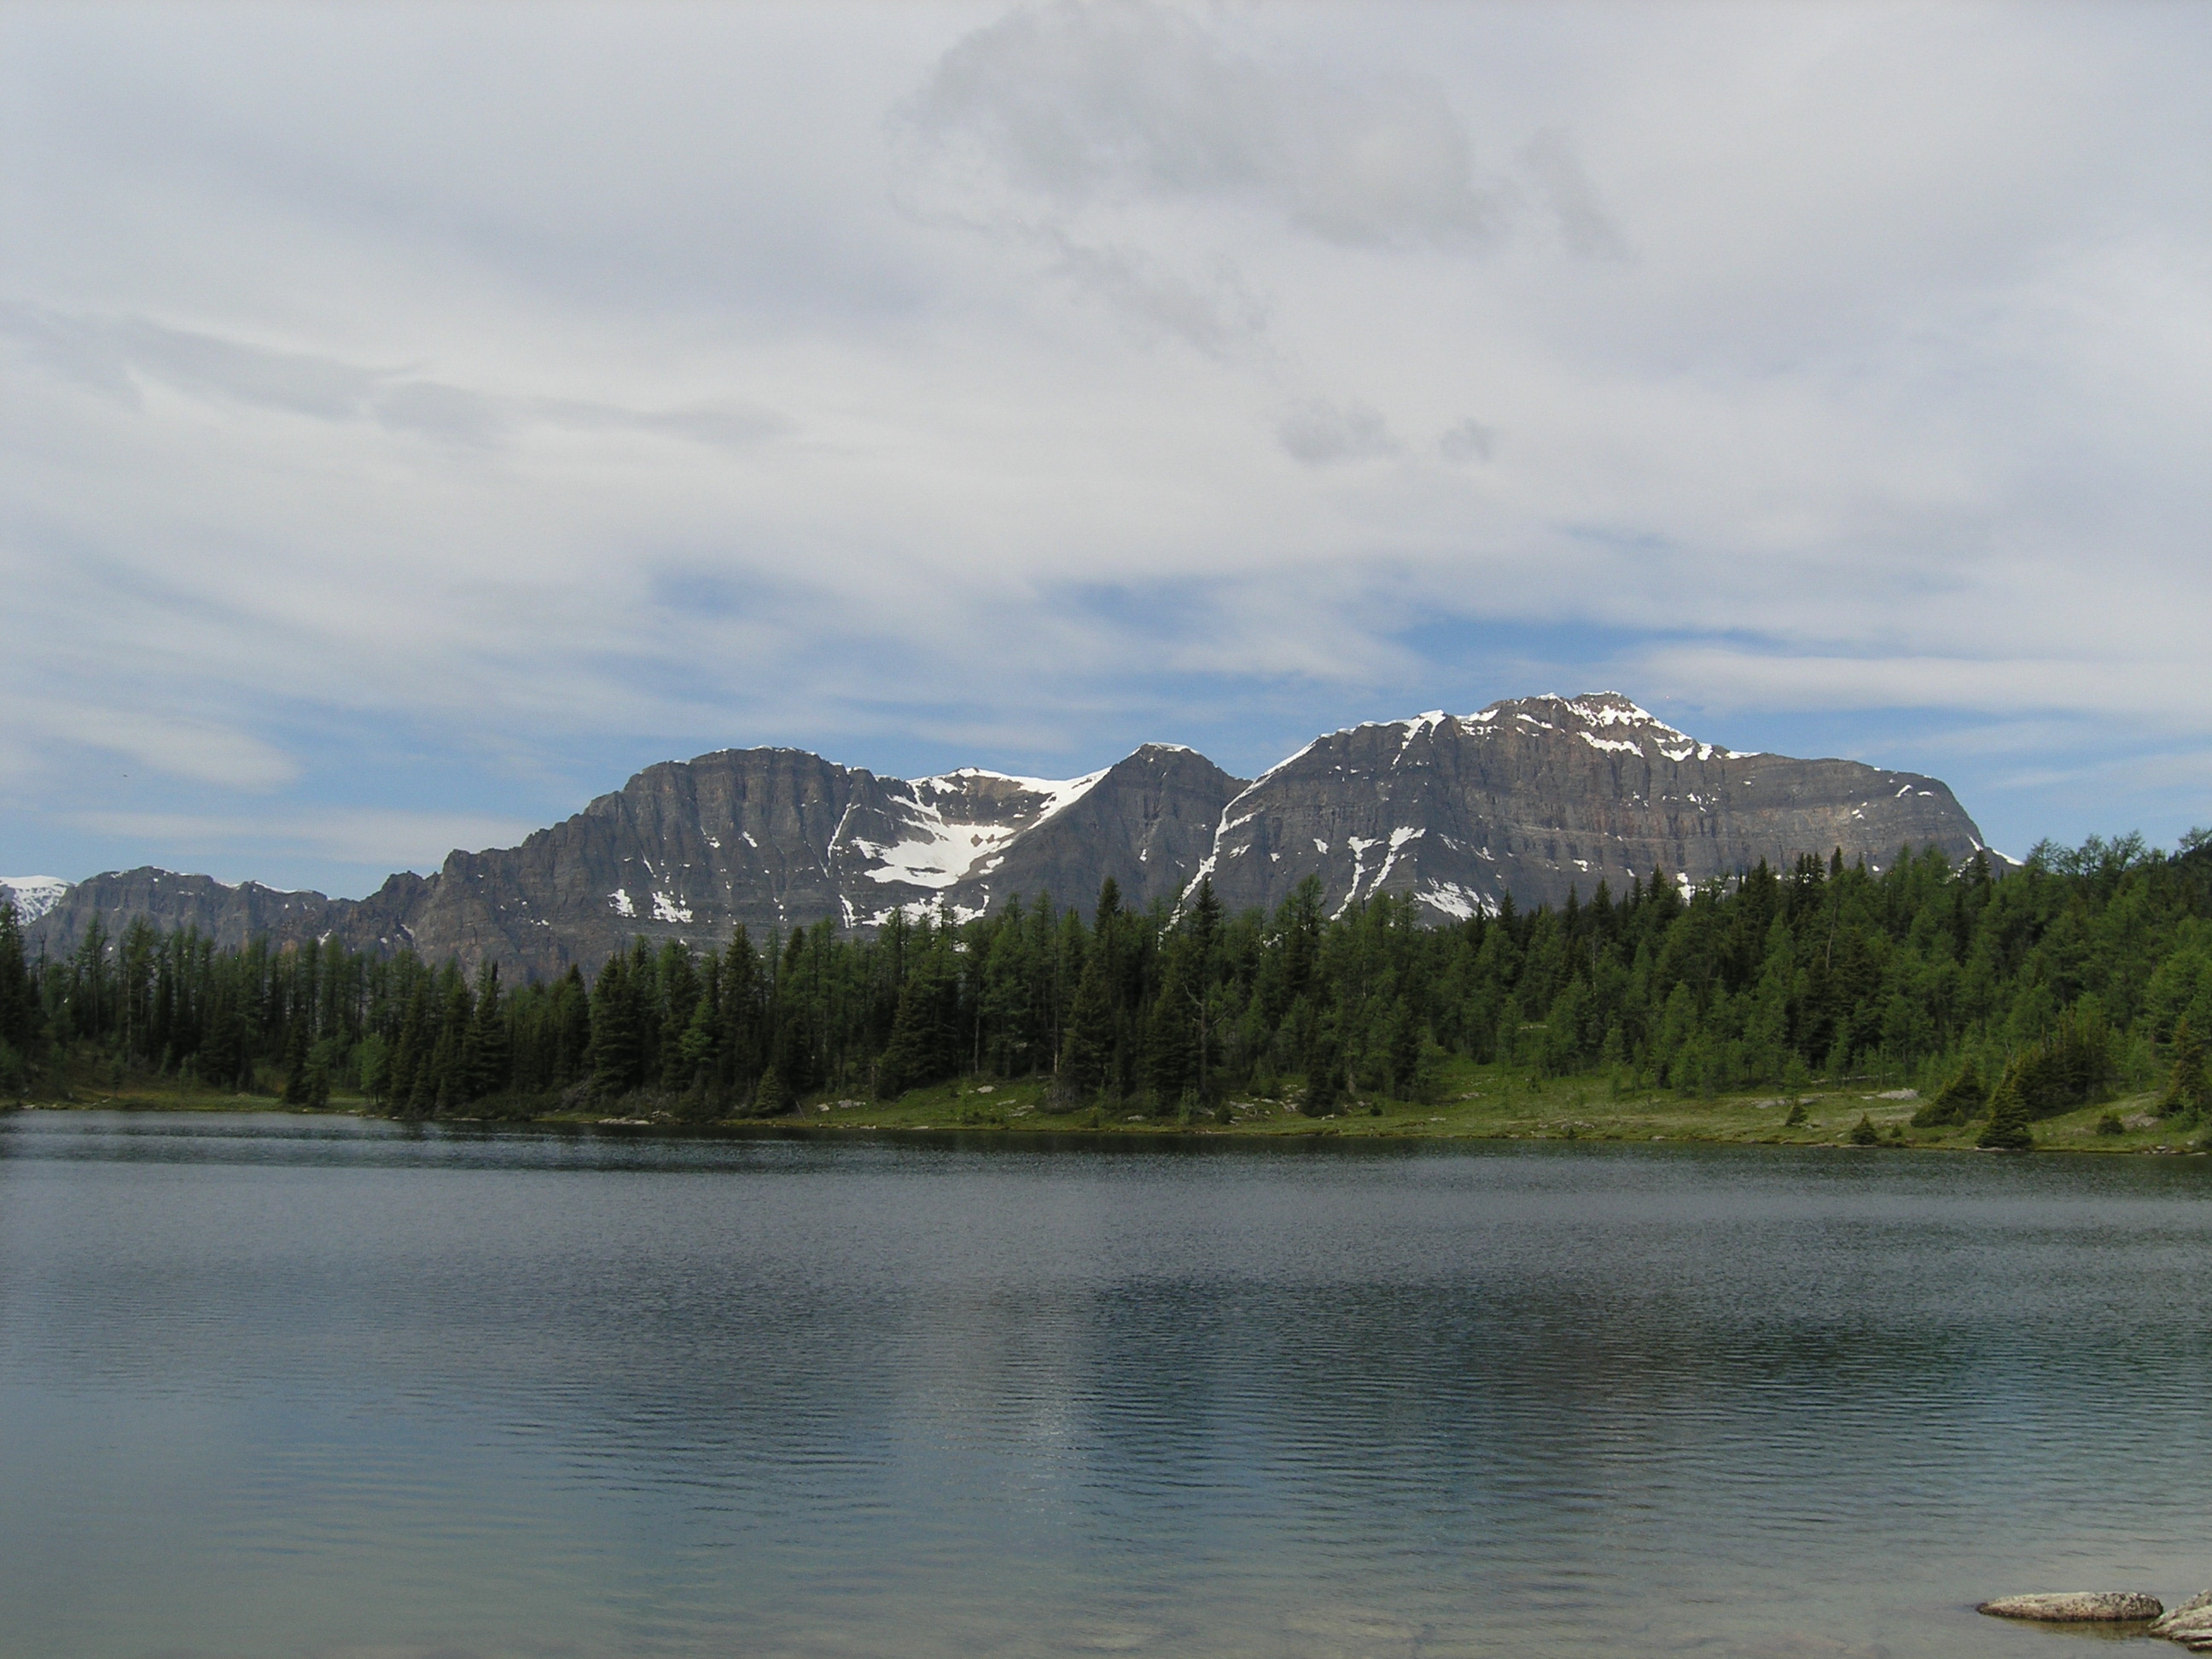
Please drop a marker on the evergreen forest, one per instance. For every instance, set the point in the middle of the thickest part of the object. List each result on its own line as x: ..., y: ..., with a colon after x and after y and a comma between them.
x: 2083, y: 975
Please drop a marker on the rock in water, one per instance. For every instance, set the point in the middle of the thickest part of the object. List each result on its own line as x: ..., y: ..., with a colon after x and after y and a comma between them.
x: 2198, y: 1604
x: 2189, y: 1624
x: 2076, y: 1607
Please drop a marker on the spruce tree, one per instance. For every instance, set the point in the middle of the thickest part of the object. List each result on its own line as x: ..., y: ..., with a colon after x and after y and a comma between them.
x: 917, y: 1053
x: 773, y: 1098
x: 571, y: 1022
x: 699, y: 1041
x: 1086, y: 1049
x: 1958, y: 1101
x: 2007, y: 1130
x: 18, y: 1000
x: 2185, y: 1083
x: 740, y: 1048
x: 1170, y: 1058
x: 616, y: 1060
x: 1324, y: 1072
x: 296, y: 1064
x: 489, y: 1055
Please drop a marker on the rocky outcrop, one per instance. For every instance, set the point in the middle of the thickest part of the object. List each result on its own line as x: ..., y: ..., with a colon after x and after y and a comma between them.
x: 1537, y: 798
x: 1147, y: 822
x: 770, y: 838
x: 32, y: 896
x: 2076, y: 1607
x: 226, y: 915
x: 2189, y: 1624
x: 1527, y: 800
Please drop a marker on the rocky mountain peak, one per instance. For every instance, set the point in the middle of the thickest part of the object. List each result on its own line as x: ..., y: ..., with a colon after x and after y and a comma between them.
x: 34, y: 895
x: 1533, y: 797
x: 1526, y: 800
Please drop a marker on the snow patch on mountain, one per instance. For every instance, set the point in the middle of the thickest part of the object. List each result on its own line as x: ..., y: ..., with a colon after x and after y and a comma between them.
x: 33, y: 895
x: 957, y: 822
x: 1456, y: 901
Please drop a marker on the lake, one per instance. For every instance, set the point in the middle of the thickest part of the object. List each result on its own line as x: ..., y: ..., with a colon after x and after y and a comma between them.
x: 277, y: 1385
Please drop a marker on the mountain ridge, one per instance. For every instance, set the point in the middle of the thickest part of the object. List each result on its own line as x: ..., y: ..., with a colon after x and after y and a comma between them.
x: 1523, y: 801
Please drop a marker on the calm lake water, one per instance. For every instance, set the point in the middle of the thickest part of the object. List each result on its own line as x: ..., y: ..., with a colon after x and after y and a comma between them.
x: 274, y: 1387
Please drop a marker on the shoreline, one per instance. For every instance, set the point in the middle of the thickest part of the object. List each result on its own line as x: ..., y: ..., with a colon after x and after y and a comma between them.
x: 1562, y: 1110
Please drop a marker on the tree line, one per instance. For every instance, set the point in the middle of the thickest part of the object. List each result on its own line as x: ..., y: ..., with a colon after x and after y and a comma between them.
x: 2017, y: 995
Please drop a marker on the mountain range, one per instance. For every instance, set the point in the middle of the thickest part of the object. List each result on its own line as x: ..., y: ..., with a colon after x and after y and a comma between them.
x: 1528, y: 799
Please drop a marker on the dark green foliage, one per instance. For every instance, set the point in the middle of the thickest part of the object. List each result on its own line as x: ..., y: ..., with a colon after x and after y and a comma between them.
x: 771, y: 1097
x: 2110, y: 1124
x: 2068, y: 1067
x: 1324, y: 1074
x: 296, y: 1065
x: 2184, y: 1085
x: 925, y: 1045
x: 2071, y: 977
x: 487, y: 1055
x: 19, y: 1001
x: 2007, y: 1129
x: 1170, y: 1056
x: 1797, y: 1116
x: 1864, y: 1133
x: 1086, y: 1049
x: 1960, y: 1101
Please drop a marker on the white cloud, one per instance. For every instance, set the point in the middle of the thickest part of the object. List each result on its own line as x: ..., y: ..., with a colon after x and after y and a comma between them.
x: 382, y: 838
x: 198, y: 751
x: 674, y: 377
x: 2149, y: 693
x: 1318, y: 431
x: 1072, y: 102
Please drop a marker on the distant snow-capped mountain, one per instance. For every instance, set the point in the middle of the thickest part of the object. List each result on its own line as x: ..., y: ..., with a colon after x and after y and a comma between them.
x: 34, y: 895
x: 1529, y: 798
x: 1538, y: 797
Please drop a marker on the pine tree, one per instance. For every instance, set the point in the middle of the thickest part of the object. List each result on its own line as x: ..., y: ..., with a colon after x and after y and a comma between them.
x: 18, y: 1001
x: 616, y: 1060
x: 571, y: 1024
x: 740, y: 1056
x: 772, y: 1098
x: 2185, y: 1084
x: 489, y: 1054
x: 1170, y: 1058
x: 2007, y: 1130
x: 680, y: 996
x: 696, y: 1047
x: 1959, y: 1100
x: 1086, y: 1047
x: 918, y: 1053
x: 410, y: 1054
x: 295, y: 1063
x: 1324, y: 1072
x: 318, y: 1091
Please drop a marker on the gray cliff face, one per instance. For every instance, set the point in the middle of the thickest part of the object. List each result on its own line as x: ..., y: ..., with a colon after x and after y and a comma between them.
x: 770, y: 838
x: 1147, y: 822
x: 1525, y: 800
x: 229, y: 915
x: 1535, y: 797
x: 776, y: 838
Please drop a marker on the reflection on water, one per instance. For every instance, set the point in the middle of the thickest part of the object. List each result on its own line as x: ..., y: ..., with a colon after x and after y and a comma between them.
x: 275, y: 1387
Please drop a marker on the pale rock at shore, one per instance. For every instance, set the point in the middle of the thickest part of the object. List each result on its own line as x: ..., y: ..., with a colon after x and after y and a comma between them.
x: 2076, y: 1607
x: 2189, y: 1624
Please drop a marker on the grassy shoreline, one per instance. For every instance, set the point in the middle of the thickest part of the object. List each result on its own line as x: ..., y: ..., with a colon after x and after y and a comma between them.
x: 1479, y: 1104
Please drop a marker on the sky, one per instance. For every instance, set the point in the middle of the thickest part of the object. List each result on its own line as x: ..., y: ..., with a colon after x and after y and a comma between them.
x: 417, y: 420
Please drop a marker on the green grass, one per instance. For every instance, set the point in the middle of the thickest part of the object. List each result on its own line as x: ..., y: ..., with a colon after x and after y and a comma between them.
x: 1478, y: 1103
